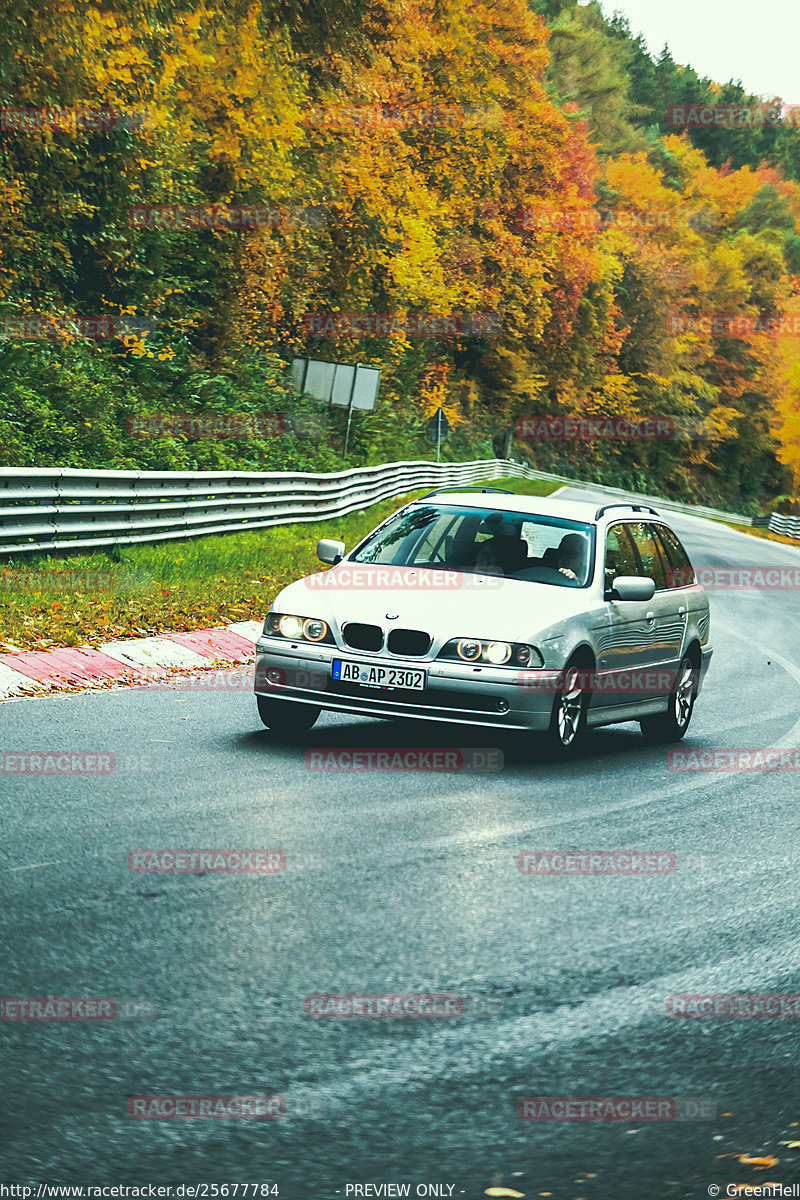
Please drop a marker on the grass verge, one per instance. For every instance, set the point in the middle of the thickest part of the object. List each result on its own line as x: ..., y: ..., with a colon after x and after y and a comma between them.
x: 138, y: 591
x: 766, y: 534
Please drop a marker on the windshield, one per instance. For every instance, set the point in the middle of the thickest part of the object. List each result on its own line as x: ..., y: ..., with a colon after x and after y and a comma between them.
x: 484, y: 541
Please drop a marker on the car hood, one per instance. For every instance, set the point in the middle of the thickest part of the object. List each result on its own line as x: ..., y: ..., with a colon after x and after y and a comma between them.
x: 444, y: 603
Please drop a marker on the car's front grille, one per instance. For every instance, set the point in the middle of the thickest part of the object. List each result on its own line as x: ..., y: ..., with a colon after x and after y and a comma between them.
x: 411, y: 642
x: 363, y: 637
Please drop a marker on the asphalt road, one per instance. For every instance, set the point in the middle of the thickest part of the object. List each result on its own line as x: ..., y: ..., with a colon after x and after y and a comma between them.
x: 408, y: 883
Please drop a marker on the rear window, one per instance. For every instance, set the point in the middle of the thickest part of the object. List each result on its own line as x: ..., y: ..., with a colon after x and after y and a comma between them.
x: 680, y: 572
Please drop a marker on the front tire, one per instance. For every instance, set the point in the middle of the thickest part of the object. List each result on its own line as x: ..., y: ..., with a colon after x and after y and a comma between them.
x: 568, y: 722
x: 285, y: 717
x: 671, y: 725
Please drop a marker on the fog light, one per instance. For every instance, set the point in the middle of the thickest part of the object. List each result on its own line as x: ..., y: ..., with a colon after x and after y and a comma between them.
x: 502, y: 706
x: 274, y: 675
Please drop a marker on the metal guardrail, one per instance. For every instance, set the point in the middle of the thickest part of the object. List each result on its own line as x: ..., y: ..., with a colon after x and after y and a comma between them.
x: 788, y: 526
x: 49, y: 508
x: 689, y: 510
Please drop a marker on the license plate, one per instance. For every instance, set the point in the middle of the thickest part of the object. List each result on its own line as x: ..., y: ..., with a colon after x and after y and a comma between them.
x: 371, y: 675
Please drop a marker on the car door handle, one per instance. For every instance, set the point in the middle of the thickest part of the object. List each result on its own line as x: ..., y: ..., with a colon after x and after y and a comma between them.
x: 650, y: 616
x: 681, y: 610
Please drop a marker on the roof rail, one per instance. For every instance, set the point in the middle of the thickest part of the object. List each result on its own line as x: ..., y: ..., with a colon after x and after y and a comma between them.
x: 467, y: 488
x: 621, y: 504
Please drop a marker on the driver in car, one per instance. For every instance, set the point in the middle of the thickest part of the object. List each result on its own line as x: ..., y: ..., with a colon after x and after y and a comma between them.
x: 572, y: 556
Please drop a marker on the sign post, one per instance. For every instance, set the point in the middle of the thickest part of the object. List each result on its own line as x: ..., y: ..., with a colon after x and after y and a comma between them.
x: 362, y: 394
x: 438, y: 430
x: 340, y: 384
x: 350, y: 412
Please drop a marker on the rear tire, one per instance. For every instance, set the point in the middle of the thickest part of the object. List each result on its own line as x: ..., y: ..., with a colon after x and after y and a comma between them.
x: 671, y: 725
x: 568, y: 722
x: 285, y: 717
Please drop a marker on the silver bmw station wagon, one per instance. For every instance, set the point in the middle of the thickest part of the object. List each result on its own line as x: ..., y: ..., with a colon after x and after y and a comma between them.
x: 486, y: 608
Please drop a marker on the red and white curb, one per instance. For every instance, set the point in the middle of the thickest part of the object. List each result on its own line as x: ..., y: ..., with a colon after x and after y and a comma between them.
x: 138, y: 660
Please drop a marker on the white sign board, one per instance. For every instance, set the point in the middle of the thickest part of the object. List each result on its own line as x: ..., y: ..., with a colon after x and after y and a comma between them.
x: 342, y: 384
x: 367, y: 383
x: 319, y: 378
x: 298, y: 370
x: 337, y: 383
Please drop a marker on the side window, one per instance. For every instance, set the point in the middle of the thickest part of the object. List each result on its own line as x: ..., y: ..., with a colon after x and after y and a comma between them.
x: 680, y: 572
x: 620, y: 554
x: 650, y: 556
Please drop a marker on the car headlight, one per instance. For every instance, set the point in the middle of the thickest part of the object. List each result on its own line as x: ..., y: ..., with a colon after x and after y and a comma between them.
x: 469, y: 649
x: 493, y: 654
x: 497, y: 653
x: 314, y: 630
x: 291, y: 627
x: 297, y: 629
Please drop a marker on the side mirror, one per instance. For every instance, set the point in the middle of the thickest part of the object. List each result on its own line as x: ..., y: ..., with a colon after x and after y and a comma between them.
x: 329, y: 551
x: 632, y: 587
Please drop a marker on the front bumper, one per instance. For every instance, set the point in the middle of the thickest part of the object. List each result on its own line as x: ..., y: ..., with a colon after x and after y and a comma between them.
x: 455, y: 693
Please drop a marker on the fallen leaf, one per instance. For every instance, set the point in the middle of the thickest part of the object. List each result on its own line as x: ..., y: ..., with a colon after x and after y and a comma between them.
x: 760, y: 1163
